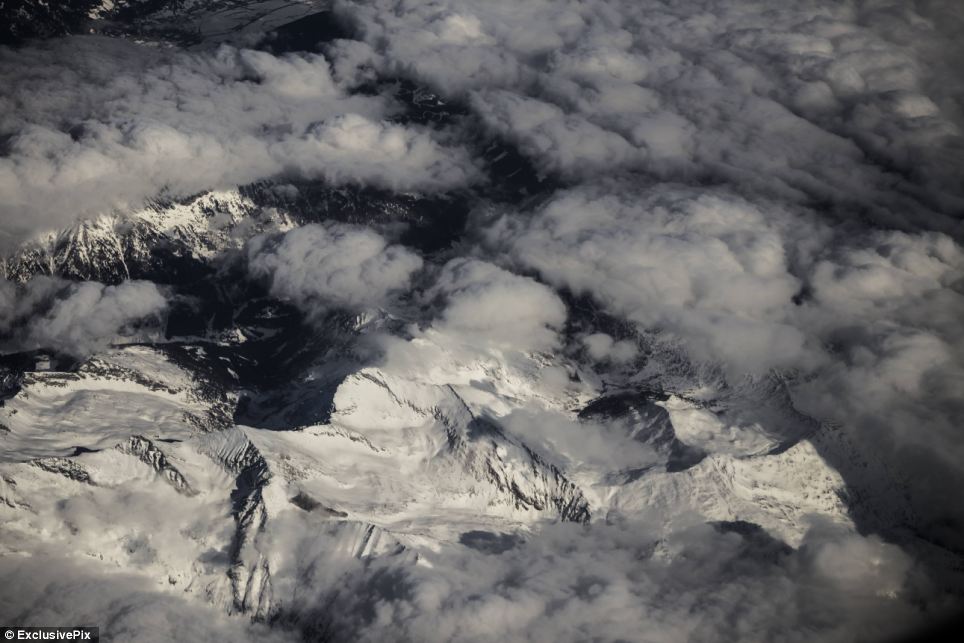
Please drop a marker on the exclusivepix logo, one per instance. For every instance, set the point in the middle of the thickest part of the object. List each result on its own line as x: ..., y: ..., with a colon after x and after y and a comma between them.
x: 91, y: 634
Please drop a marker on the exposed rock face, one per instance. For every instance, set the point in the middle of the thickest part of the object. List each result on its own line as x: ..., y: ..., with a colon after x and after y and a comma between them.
x: 147, y: 452
x: 249, y: 570
x: 164, y: 242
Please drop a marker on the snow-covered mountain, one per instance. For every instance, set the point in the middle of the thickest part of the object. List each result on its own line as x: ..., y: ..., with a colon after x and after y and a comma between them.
x: 554, y: 393
x: 192, y: 463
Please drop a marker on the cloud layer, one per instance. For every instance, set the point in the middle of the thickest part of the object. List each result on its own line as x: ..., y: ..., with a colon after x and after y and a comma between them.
x: 631, y: 582
x: 708, y: 266
x: 754, y: 209
x: 91, y: 124
x: 840, y: 103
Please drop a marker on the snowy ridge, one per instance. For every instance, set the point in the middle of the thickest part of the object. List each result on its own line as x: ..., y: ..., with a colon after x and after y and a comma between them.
x: 483, y: 449
x: 249, y: 572
x: 778, y: 492
x: 159, y: 242
x: 398, y: 469
x: 148, y: 453
x: 131, y: 391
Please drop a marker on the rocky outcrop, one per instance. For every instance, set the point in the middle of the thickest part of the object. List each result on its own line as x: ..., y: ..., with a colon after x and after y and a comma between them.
x: 249, y: 571
x: 147, y: 452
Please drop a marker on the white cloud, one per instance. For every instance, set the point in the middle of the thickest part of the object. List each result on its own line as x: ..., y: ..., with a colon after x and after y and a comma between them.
x: 868, y: 321
x: 602, y: 347
x: 74, y: 318
x: 709, y: 267
x: 354, y: 149
x: 594, y: 447
x: 51, y: 590
x: 319, y: 268
x: 487, y: 305
x: 820, y: 101
x: 890, y: 304
x: 97, y: 123
x: 634, y: 581
x: 561, y: 143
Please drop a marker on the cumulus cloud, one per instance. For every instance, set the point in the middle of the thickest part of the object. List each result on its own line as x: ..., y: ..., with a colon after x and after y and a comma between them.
x: 707, y: 266
x: 561, y: 143
x: 76, y: 319
x: 91, y: 124
x: 352, y: 148
x: 488, y: 305
x: 602, y: 347
x: 835, y: 102
x: 320, y: 268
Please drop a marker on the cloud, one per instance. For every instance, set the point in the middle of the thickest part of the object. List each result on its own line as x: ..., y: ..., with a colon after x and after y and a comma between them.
x: 50, y: 590
x: 888, y: 303
x: 91, y: 124
x: 580, y: 446
x: 706, y: 266
x: 487, y: 305
x: 74, y: 318
x: 324, y: 267
x: 562, y: 144
x: 602, y: 347
x: 863, y: 322
x: 632, y: 581
x: 352, y: 148
x: 842, y: 103
x: 760, y: 211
